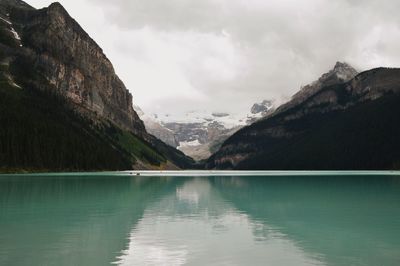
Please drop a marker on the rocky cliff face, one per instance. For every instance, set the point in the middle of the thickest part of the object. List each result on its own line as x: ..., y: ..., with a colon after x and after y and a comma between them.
x: 59, y: 70
x: 264, y: 107
x: 74, y: 65
x: 330, y: 124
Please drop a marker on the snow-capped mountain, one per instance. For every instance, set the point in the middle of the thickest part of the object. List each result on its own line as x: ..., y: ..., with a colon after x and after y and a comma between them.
x: 200, y: 133
x: 155, y: 128
x: 260, y: 110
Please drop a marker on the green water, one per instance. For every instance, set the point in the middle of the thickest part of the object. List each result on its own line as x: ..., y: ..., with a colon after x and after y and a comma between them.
x: 259, y: 220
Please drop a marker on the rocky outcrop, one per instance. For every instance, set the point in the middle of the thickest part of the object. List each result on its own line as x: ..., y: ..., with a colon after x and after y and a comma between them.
x: 74, y: 65
x: 260, y: 110
x: 264, y: 107
x: 375, y: 83
x: 329, y: 125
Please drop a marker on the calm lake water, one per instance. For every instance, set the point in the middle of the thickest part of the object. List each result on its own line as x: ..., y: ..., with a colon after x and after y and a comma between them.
x: 254, y: 220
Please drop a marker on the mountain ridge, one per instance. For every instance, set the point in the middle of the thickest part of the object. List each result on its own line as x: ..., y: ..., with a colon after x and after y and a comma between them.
x: 48, y: 58
x: 292, y: 131
x: 341, y: 72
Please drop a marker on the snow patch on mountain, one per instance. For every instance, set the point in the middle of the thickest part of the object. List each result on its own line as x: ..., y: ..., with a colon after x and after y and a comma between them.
x: 11, y: 29
x: 202, y: 117
x: 155, y: 128
x: 198, y: 133
x: 192, y: 143
x: 6, y: 21
x: 16, y: 35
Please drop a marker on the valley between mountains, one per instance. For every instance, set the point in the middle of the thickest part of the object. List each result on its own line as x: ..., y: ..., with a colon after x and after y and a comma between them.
x: 63, y: 108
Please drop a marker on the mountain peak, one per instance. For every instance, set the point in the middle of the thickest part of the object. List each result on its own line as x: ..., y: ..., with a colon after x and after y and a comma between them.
x: 57, y: 11
x: 262, y: 107
x: 341, y: 64
x: 344, y: 71
x: 341, y: 72
x: 57, y: 6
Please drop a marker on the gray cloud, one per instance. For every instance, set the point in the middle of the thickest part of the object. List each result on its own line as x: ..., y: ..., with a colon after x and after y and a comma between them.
x: 226, y: 54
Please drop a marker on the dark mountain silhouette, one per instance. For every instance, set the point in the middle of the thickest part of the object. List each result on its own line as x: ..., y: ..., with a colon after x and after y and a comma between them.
x: 336, y: 123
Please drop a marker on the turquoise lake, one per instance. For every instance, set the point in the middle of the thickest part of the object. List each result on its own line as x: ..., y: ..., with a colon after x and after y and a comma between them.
x: 273, y: 219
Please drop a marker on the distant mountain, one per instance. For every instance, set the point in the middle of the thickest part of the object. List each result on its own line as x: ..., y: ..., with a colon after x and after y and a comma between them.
x: 198, y: 140
x: 342, y: 121
x: 194, y: 133
x: 62, y: 105
x: 260, y: 110
x: 342, y: 72
x: 200, y: 133
x: 155, y: 128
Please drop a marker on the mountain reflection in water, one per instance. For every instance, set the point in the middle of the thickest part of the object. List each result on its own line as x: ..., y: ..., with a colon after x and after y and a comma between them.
x: 270, y: 220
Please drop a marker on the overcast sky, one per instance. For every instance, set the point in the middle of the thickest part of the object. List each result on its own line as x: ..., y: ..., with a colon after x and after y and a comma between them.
x: 224, y: 55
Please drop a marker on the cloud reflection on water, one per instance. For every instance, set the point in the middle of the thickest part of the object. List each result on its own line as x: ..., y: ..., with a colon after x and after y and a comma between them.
x: 196, y: 226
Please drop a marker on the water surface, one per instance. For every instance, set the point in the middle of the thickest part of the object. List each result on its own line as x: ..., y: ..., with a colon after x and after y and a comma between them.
x: 122, y: 219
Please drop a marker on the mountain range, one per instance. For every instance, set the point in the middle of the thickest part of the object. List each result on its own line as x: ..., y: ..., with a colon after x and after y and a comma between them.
x: 343, y: 121
x: 200, y: 133
x: 63, y: 108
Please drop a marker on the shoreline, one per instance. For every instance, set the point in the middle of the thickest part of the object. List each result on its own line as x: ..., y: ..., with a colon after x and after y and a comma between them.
x: 194, y: 173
